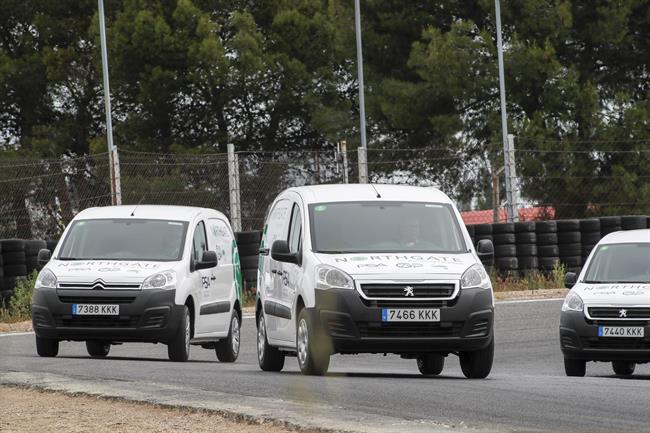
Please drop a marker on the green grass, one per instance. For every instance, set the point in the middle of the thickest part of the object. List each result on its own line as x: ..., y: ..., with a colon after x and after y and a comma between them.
x: 20, y: 306
x: 530, y: 281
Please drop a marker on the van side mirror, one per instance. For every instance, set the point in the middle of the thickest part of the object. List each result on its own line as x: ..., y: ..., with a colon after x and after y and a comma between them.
x: 570, y: 279
x: 280, y: 252
x: 43, y: 257
x: 485, y: 249
x: 208, y: 260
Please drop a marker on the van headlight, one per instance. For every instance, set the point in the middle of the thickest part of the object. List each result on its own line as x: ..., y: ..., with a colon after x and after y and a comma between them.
x: 329, y: 277
x: 572, y: 302
x: 165, y: 280
x: 475, y: 277
x: 45, y: 280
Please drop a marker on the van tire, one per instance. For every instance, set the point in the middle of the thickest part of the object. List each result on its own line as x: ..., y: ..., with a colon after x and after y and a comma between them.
x: 313, y: 356
x: 431, y: 364
x: 268, y: 357
x: 623, y: 368
x: 98, y: 349
x: 575, y: 367
x: 477, y: 364
x: 228, y: 349
x: 47, y: 347
x: 178, y: 348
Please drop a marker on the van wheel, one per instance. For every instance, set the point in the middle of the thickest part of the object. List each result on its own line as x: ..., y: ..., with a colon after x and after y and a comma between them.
x: 477, y: 364
x: 98, y: 349
x: 575, y: 367
x: 623, y: 368
x: 313, y: 358
x: 269, y: 357
x: 178, y: 348
x: 431, y: 364
x: 228, y: 348
x: 46, y: 347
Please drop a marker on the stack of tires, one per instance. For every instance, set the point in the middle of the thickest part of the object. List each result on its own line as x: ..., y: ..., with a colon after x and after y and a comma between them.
x: 609, y: 224
x: 248, y: 244
x: 548, y: 253
x: 51, y: 244
x: 484, y: 232
x: 634, y: 222
x: 569, y: 243
x: 14, y: 264
x: 32, y: 247
x: 505, y: 249
x: 589, y: 235
x: 471, y: 232
x: 526, y: 244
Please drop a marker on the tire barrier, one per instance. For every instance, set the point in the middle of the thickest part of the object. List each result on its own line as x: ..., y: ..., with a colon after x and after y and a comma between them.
x: 569, y: 241
x: 248, y: 244
x: 505, y: 249
x: 548, y: 253
x: 609, y: 224
x: 590, y: 235
x: 526, y: 247
x: 18, y: 259
x: 634, y: 222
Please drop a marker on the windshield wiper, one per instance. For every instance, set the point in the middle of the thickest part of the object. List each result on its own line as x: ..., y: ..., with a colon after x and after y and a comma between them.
x: 333, y: 252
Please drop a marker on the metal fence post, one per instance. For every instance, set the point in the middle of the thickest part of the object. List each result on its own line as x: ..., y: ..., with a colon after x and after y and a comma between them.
x: 344, y: 153
x: 363, y: 164
x: 233, y: 186
x: 513, y: 197
x: 116, y: 176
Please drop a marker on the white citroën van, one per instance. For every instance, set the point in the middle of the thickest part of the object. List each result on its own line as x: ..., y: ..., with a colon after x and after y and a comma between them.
x: 160, y: 274
x: 372, y: 269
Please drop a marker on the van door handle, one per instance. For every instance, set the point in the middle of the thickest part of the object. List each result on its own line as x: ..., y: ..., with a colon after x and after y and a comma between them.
x: 264, y: 251
x: 274, y: 271
x: 213, y: 278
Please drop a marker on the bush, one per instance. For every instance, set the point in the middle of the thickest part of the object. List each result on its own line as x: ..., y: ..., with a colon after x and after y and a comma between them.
x: 20, y: 306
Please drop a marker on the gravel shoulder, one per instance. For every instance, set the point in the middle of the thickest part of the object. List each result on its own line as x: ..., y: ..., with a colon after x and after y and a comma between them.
x: 29, y: 410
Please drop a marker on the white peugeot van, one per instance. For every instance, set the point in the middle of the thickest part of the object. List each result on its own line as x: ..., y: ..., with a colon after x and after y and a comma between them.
x: 606, y: 315
x: 160, y: 274
x: 372, y: 269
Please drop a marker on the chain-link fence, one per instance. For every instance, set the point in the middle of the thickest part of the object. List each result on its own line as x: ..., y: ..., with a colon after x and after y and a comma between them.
x: 39, y: 197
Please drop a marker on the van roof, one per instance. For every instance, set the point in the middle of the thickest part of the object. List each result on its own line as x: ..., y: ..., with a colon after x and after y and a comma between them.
x: 366, y: 192
x: 175, y: 213
x: 627, y: 237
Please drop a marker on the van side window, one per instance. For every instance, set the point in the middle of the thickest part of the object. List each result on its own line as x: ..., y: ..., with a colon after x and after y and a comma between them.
x: 295, y: 230
x: 199, y: 243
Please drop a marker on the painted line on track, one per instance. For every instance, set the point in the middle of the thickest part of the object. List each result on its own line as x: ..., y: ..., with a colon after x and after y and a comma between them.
x: 14, y: 334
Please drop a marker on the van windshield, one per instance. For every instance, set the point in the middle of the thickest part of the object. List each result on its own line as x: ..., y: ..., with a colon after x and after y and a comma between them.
x: 363, y: 227
x: 620, y: 263
x: 124, y: 239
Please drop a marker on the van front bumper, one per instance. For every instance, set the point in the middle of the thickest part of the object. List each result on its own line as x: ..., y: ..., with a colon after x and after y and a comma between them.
x: 579, y: 340
x: 144, y: 315
x: 354, y: 325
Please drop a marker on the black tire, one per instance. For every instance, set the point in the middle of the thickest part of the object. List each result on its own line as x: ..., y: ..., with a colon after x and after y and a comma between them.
x: 568, y: 237
x: 505, y: 250
x: 431, y: 364
x: 14, y: 258
x: 572, y: 261
x: 9, y: 283
x: 546, y: 239
x: 524, y: 226
x: 482, y: 229
x: 633, y: 222
x: 46, y: 347
x: 548, y: 263
x: 545, y: 227
x: 248, y: 249
x: 5, y: 298
x: 586, y: 250
x: 51, y: 244
x: 548, y: 251
x: 470, y: 231
x: 503, y: 228
x: 526, y: 238
x: 250, y: 275
x: 610, y: 221
x: 484, y: 237
x: 623, y: 368
x: 311, y: 347
x: 506, y: 263
x: 570, y: 249
x: 248, y: 262
x: 98, y: 349
x: 528, y: 263
x: 227, y: 350
x: 32, y: 247
x: 504, y: 239
x: 569, y: 225
x: 526, y: 250
x: 178, y: 348
x: 15, y: 270
x: 477, y: 364
x: 590, y: 225
x: 9, y: 245
x: 250, y: 237
x: 604, y: 232
x: 268, y: 357
x: 575, y: 367
x: 590, y: 238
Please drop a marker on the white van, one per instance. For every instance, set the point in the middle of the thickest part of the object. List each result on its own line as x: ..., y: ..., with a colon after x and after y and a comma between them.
x: 160, y: 274
x: 606, y: 315
x: 372, y: 269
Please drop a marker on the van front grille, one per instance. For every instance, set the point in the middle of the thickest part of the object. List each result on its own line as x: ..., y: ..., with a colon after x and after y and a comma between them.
x: 408, y: 291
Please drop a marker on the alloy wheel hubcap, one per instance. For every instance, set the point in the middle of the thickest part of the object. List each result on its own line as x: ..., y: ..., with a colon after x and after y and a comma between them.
x: 261, y: 339
x: 187, y: 333
x: 303, y: 341
x: 235, y: 335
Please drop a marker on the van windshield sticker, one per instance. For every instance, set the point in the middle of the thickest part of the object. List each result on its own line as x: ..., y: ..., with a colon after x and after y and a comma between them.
x: 320, y: 208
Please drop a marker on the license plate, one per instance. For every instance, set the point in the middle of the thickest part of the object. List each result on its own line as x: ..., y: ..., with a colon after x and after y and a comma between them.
x: 410, y: 315
x: 95, y: 310
x: 621, y: 331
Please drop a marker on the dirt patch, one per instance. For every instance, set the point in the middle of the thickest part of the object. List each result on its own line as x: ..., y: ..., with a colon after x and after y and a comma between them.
x: 27, y: 410
x: 530, y: 294
x: 25, y: 326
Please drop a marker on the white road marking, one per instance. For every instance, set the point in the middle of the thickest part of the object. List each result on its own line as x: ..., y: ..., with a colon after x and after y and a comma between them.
x: 13, y: 334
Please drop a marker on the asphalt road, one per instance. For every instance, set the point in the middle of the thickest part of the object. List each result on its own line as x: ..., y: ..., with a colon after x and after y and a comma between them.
x: 527, y: 390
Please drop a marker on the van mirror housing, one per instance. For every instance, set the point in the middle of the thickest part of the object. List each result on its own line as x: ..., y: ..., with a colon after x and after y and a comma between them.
x: 280, y: 252
x: 208, y: 260
x: 485, y: 249
x: 570, y: 279
x: 43, y: 257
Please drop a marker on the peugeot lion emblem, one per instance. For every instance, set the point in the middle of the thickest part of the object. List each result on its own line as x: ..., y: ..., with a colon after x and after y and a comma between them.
x: 408, y: 291
x: 622, y: 313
